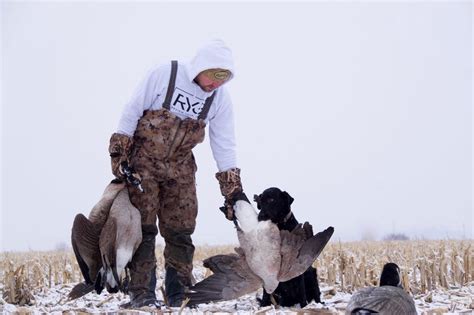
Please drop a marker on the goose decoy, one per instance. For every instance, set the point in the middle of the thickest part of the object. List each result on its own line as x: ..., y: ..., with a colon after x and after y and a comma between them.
x: 266, y: 256
x: 118, y: 242
x: 388, y: 298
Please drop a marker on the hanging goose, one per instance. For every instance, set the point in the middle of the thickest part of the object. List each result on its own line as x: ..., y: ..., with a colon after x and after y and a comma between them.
x: 105, y: 242
x: 85, y: 239
x: 388, y: 298
x: 119, y: 240
x: 266, y: 257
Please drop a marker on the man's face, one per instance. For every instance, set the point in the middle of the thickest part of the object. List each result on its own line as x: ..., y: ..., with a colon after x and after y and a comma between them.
x: 211, y: 79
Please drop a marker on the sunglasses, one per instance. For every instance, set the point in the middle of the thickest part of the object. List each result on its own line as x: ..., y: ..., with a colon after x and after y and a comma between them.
x: 217, y: 74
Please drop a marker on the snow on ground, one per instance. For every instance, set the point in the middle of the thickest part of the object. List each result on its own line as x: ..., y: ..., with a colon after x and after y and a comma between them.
x: 54, y: 301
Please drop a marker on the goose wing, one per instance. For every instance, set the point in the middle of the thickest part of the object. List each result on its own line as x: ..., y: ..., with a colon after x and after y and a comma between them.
x: 384, y: 300
x: 231, y: 279
x: 80, y: 289
x: 300, y: 248
x: 85, y: 243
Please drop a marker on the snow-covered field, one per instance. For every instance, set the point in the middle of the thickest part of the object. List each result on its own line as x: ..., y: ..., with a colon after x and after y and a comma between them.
x: 49, y: 277
x: 54, y: 301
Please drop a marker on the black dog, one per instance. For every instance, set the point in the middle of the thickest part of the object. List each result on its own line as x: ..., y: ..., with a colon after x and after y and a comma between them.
x: 275, y: 205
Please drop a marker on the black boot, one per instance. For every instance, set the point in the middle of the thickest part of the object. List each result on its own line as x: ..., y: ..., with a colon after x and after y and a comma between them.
x: 143, y: 272
x: 173, y: 288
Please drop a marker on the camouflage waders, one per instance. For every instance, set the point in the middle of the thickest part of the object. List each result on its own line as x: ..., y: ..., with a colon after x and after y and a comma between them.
x: 162, y: 155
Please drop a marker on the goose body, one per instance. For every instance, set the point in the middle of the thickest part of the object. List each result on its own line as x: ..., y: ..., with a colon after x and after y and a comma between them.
x: 383, y: 300
x: 260, y: 241
x: 119, y: 239
x: 85, y: 238
x: 388, y: 298
x: 100, y: 212
x: 104, y: 242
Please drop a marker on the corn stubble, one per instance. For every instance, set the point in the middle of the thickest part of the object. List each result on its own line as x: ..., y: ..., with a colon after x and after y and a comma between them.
x: 425, y: 266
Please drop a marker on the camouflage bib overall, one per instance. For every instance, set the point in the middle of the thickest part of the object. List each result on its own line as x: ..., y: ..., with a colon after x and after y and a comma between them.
x: 162, y: 155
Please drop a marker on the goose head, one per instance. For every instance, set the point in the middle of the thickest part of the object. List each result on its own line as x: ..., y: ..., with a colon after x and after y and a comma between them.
x: 391, y: 275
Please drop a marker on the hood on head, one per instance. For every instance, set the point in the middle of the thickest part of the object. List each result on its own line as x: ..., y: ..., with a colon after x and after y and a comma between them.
x: 214, y: 54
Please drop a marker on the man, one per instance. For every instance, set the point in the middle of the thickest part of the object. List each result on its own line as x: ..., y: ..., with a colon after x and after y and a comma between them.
x: 158, y: 128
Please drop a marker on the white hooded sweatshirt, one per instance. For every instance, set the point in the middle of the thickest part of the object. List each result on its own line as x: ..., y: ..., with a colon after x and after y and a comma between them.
x: 188, y: 100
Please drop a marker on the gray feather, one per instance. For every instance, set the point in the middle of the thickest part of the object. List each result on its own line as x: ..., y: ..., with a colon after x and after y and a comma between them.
x: 384, y: 300
x: 299, y: 252
x: 231, y: 279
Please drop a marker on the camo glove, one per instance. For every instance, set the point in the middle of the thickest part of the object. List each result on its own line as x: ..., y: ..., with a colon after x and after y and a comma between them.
x: 230, y: 184
x: 120, y: 148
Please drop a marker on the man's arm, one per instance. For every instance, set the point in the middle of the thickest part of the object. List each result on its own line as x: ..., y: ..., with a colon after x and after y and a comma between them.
x: 142, y: 99
x: 222, y: 134
x: 121, y: 142
x: 222, y: 139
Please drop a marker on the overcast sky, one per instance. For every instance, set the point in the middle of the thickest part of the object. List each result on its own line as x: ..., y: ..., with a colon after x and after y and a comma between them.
x: 362, y: 111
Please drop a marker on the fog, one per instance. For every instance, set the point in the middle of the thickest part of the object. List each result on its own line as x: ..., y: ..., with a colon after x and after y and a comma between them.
x: 361, y: 111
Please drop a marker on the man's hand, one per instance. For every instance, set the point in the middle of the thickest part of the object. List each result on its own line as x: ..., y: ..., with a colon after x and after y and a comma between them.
x: 120, y: 148
x: 228, y: 211
x: 230, y: 185
x: 228, y: 208
x: 132, y: 177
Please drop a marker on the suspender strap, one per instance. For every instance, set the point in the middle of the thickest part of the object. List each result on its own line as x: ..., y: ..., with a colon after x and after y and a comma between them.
x: 207, y: 105
x: 171, y: 84
x: 169, y: 93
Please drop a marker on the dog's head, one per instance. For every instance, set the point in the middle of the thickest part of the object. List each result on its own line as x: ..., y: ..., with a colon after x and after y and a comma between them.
x: 274, y: 205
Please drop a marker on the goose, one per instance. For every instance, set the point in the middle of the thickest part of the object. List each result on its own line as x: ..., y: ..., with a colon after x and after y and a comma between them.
x: 93, y: 240
x: 85, y: 239
x: 388, y: 298
x: 119, y: 240
x: 266, y: 256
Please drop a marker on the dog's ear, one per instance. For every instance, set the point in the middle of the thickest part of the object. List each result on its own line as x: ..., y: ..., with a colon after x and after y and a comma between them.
x: 256, y: 198
x: 288, y: 197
